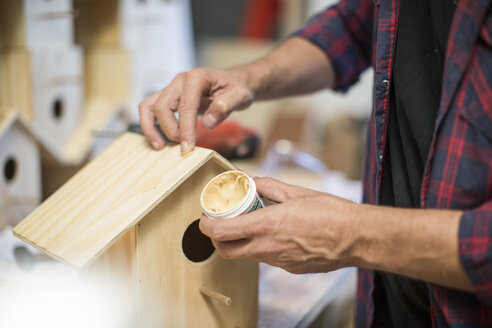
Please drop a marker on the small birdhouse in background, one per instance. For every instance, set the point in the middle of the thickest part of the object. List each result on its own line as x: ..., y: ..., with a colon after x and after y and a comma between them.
x: 20, y: 183
x: 131, y: 217
x: 41, y: 69
x: 132, y: 47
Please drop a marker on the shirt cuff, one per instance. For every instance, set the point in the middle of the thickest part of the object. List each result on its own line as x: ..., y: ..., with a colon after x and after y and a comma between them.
x: 475, y: 249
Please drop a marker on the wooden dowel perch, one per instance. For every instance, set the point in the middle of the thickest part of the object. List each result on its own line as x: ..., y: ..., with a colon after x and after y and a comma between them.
x: 216, y: 296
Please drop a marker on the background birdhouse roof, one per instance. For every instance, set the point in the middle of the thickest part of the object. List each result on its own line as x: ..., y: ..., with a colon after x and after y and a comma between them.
x: 10, y: 119
x: 108, y: 197
x: 49, y: 151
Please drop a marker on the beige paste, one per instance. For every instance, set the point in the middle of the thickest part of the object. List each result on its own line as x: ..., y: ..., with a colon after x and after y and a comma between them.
x: 225, y: 191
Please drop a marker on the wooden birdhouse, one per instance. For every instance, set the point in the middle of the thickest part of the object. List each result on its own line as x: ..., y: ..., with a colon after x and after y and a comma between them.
x: 133, y: 213
x: 20, y: 184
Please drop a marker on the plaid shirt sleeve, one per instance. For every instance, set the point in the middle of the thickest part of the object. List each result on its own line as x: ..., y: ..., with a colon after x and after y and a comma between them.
x: 475, y: 248
x: 344, y: 33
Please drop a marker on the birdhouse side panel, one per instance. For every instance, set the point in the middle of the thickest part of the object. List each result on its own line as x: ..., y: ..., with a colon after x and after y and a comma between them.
x: 169, y: 282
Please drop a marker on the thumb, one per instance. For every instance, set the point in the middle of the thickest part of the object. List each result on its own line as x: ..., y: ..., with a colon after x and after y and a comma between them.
x: 223, y: 105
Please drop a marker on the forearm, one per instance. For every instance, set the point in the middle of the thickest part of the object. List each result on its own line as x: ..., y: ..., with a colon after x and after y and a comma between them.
x: 422, y: 244
x: 295, y: 67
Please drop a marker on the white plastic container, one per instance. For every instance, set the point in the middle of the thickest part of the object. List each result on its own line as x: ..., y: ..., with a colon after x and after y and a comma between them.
x: 249, y: 203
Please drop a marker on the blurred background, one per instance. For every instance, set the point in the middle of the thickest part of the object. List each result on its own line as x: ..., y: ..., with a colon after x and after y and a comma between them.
x: 72, y: 73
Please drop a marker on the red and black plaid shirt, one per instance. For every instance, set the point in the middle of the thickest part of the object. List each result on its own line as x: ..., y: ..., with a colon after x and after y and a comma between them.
x: 356, y: 34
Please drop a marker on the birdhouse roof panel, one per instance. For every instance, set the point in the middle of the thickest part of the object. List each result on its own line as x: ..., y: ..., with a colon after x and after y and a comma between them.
x: 108, y: 197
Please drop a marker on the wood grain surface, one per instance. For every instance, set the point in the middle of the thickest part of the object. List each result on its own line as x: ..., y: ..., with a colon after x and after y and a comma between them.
x: 108, y: 197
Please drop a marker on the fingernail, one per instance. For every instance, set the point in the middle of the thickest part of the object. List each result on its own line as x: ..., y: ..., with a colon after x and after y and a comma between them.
x: 156, y: 144
x: 209, y: 121
x: 186, y: 148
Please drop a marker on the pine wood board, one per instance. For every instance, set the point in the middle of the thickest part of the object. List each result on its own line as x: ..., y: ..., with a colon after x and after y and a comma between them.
x: 108, y: 197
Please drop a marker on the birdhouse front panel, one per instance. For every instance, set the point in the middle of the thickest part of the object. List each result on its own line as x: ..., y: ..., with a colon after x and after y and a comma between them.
x: 174, y: 259
x: 58, y: 110
x: 57, y: 78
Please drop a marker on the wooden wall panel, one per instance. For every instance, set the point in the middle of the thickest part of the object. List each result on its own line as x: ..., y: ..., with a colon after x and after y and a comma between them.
x: 98, y: 22
x: 107, y: 73
x: 15, y: 80
x: 12, y: 24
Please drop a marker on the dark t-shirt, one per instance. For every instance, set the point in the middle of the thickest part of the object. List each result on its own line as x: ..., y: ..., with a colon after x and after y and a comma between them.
x: 414, y: 101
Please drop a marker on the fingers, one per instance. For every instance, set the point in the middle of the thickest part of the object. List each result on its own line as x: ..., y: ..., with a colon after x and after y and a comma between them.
x: 164, y: 109
x: 240, y: 237
x: 196, y: 87
x: 233, y: 249
x: 226, y: 230
x: 190, y: 93
x: 280, y: 192
x: 222, y: 107
x: 147, y: 121
x: 230, y: 237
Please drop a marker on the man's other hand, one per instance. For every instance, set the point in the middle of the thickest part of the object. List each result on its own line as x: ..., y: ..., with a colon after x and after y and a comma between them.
x: 213, y: 93
x: 308, y: 231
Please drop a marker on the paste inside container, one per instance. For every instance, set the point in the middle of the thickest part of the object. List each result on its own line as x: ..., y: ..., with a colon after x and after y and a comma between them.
x: 225, y: 191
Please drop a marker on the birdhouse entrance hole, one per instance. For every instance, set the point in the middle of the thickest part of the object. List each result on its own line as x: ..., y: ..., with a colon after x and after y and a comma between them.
x: 196, y: 246
x: 10, y: 169
x: 58, y: 109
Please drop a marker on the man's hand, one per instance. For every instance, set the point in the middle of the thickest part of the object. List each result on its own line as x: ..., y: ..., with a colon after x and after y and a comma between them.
x: 294, y: 234
x: 310, y: 231
x: 295, y: 67
x: 213, y: 93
